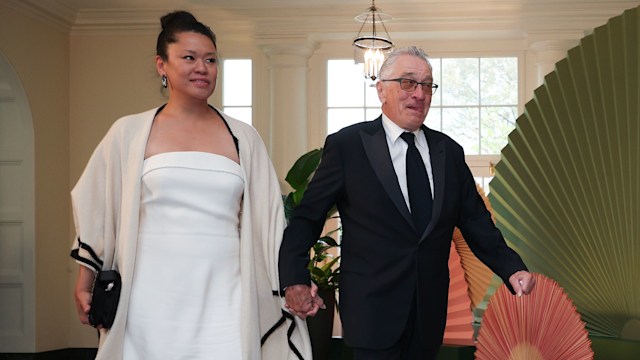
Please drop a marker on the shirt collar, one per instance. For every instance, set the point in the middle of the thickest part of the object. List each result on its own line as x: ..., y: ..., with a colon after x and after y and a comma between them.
x: 394, y: 131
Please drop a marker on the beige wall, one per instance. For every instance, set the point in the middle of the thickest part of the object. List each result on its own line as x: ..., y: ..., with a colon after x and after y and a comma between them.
x: 111, y: 76
x: 39, y: 54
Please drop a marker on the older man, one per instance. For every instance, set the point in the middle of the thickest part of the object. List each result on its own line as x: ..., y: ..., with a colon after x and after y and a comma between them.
x: 401, y: 189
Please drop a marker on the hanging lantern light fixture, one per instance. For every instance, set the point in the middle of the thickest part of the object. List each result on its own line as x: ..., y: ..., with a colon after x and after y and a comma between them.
x: 369, y: 47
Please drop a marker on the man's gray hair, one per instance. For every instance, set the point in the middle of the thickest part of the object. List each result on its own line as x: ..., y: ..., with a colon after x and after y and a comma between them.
x: 396, y: 53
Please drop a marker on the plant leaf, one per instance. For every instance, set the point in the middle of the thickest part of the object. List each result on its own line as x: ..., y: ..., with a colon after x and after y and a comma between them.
x: 331, y: 242
x: 330, y: 264
x: 299, y: 174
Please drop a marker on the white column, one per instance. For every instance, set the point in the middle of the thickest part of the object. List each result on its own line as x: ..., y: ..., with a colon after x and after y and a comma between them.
x: 288, y: 71
x: 548, y: 53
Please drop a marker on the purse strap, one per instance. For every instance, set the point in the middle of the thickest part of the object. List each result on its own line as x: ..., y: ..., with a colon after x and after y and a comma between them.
x: 95, y: 262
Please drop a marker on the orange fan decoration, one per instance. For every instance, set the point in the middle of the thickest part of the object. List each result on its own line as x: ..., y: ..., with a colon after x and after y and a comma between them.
x: 541, y: 325
x: 458, y: 330
x: 469, y: 282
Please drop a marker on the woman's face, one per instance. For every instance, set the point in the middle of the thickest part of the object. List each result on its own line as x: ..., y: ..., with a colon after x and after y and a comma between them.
x: 191, y: 67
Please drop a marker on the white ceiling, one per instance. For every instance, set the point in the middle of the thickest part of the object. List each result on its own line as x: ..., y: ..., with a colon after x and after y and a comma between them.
x: 137, y: 4
x: 334, y: 19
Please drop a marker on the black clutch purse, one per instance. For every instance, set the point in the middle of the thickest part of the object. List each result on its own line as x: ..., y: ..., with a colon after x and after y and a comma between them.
x: 104, y: 301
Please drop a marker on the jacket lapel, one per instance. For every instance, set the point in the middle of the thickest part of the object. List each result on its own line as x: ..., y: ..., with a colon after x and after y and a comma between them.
x: 375, y: 146
x: 437, y: 155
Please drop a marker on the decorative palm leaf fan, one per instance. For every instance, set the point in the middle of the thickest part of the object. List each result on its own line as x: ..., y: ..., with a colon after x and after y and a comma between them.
x: 542, y: 325
x: 566, y: 193
x: 470, y: 282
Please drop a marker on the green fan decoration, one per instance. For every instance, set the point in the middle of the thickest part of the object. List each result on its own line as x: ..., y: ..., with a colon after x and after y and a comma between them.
x: 566, y: 194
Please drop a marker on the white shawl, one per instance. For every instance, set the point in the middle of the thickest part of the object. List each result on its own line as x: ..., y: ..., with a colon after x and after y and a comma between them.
x: 106, y: 203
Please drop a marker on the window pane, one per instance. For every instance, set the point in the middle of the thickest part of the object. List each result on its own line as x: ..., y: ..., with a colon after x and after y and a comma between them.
x: 436, y: 99
x: 460, y: 82
x: 236, y: 80
x: 462, y: 124
x: 373, y: 113
x: 496, y: 124
x: 344, y: 84
x: 484, y: 183
x: 499, y: 85
x: 371, y: 96
x: 241, y: 113
x: 434, y: 119
x: 339, y: 118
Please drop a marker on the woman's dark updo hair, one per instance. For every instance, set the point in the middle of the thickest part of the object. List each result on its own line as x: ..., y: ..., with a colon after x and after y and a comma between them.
x: 178, y: 22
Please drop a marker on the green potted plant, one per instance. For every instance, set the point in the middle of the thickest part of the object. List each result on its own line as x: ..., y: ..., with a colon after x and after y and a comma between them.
x: 323, y: 264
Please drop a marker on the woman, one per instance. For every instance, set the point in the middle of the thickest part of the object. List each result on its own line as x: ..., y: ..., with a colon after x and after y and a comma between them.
x: 183, y: 201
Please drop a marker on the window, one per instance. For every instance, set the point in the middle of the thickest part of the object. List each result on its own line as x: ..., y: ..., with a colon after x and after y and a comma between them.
x: 237, y: 89
x: 349, y: 98
x: 476, y: 104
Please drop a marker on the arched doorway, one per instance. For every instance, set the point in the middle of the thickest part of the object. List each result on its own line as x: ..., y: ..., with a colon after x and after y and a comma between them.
x: 17, y: 216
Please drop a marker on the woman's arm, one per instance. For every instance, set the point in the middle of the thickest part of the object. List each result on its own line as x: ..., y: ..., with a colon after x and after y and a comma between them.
x: 84, y: 285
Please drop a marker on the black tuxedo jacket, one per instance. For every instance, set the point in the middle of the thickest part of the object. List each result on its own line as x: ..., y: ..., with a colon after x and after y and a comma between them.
x: 386, y: 264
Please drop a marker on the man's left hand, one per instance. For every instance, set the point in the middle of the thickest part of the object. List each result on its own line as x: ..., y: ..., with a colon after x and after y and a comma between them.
x: 522, y: 282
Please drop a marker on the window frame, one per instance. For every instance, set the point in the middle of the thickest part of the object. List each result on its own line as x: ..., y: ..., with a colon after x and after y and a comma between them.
x: 250, y: 92
x: 481, y: 165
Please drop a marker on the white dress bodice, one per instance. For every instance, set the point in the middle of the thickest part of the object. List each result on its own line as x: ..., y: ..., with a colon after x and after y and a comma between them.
x: 185, y: 297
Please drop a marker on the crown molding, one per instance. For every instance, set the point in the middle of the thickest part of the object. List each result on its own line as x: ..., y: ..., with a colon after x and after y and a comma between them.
x: 50, y: 12
x: 319, y: 21
x: 117, y: 21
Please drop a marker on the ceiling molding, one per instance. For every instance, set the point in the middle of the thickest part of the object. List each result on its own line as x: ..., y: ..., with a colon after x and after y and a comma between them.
x: 320, y: 21
x: 51, y: 12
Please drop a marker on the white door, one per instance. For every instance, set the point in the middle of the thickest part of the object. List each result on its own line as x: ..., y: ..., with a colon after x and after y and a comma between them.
x: 17, y: 234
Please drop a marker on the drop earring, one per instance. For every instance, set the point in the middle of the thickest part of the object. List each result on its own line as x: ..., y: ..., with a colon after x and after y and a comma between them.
x: 164, y: 81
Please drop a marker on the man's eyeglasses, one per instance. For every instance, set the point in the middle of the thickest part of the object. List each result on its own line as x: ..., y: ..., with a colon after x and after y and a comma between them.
x: 411, y: 85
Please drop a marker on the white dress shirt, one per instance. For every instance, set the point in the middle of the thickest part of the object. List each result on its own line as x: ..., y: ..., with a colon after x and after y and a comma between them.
x: 398, y: 151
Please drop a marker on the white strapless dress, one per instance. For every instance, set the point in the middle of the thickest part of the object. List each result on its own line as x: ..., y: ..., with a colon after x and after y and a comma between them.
x: 185, y: 298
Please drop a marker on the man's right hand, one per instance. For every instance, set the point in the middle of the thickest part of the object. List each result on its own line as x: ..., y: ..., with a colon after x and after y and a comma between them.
x: 303, y: 300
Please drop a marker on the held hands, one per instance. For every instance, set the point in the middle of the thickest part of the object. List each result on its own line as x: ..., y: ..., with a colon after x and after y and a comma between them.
x: 522, y: 282
x: 303, y: 301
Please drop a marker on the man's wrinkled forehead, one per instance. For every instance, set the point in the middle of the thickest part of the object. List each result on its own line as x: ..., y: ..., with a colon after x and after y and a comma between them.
x: 416, y: 69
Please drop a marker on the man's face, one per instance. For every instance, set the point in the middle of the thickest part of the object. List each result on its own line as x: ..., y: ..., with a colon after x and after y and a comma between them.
x: 407, y: 109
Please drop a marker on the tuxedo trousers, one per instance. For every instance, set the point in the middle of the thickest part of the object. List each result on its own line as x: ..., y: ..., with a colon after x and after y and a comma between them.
x: 408, y: 347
